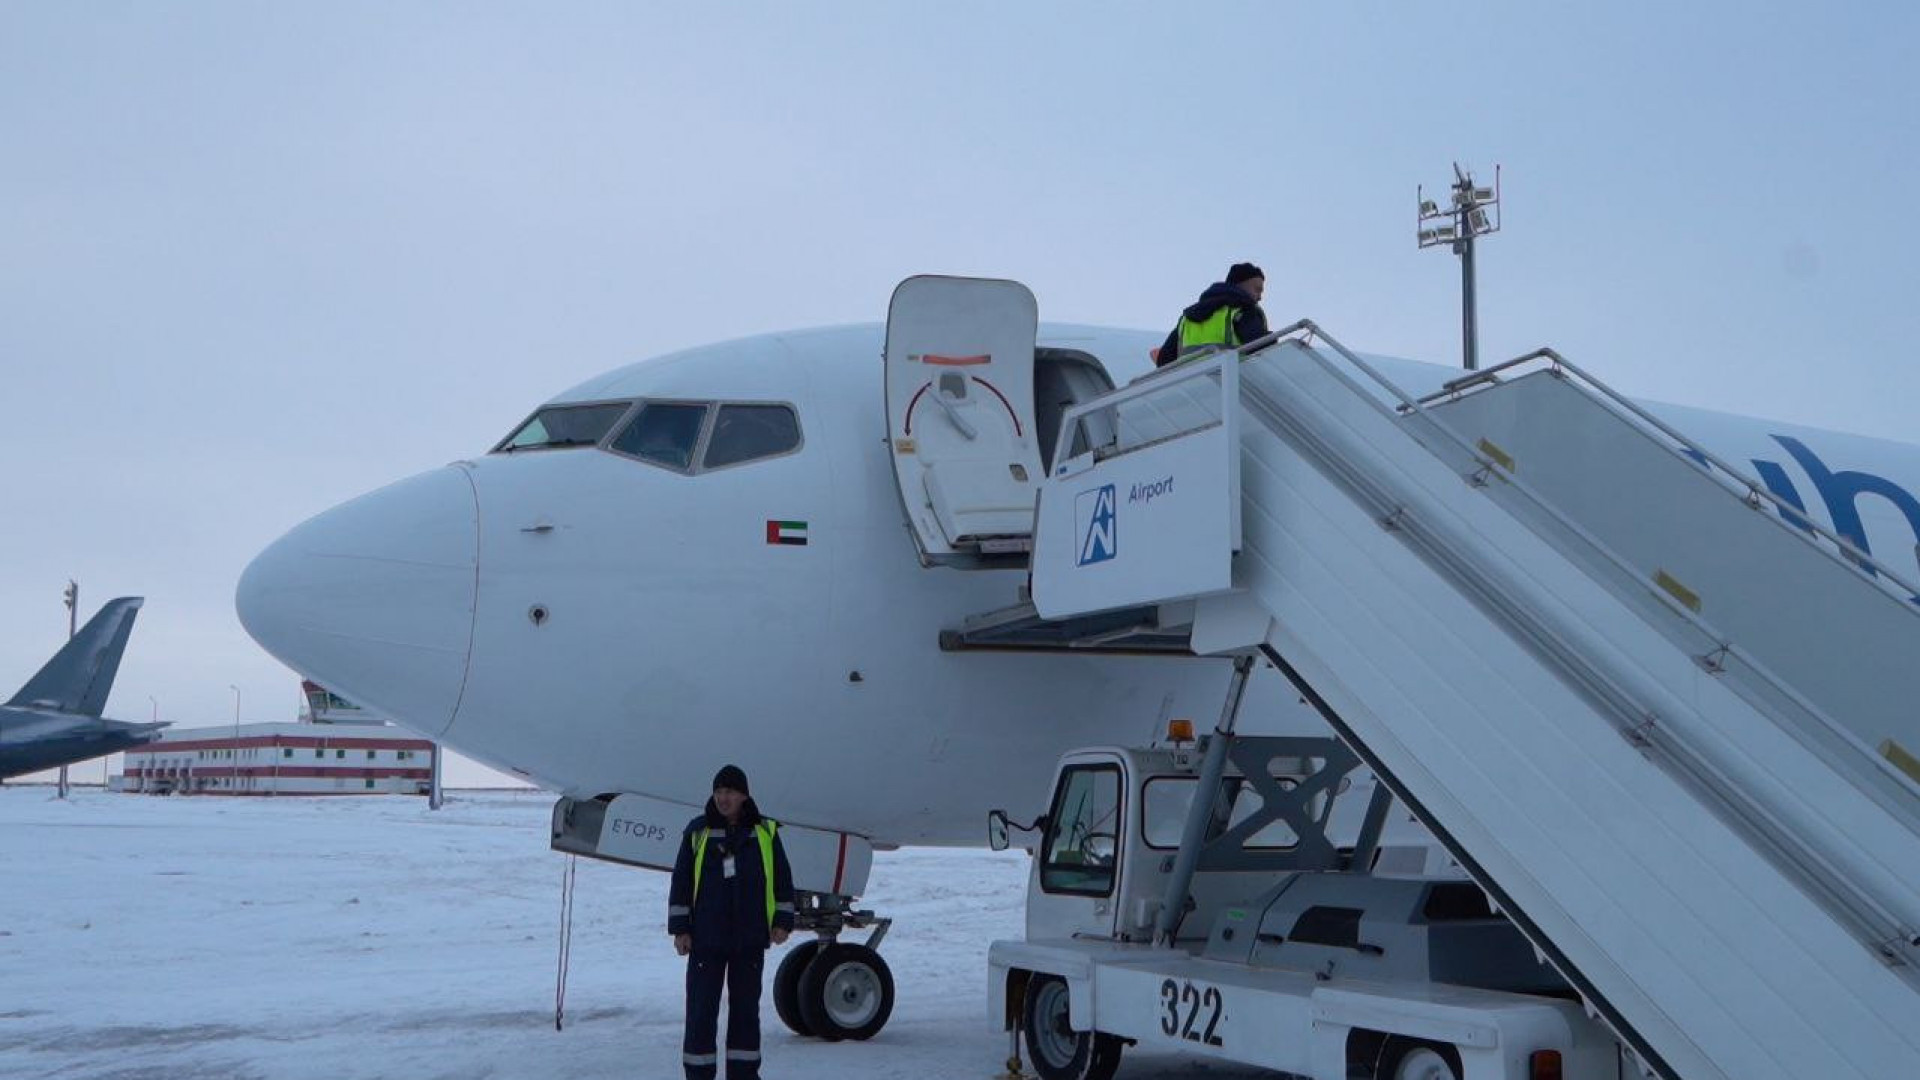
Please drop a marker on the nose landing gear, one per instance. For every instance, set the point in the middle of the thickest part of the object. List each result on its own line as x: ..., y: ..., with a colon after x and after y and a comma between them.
x: 832, y: 989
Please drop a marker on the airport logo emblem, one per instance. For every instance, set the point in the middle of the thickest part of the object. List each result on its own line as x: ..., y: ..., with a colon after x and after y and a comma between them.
x: 1093, y: 518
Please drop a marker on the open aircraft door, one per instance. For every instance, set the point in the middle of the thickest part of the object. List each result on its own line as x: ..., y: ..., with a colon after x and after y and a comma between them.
x: 959, y: 374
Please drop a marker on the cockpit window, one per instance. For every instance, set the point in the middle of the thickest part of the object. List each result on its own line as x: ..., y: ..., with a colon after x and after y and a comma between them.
x: 750, y: 432
x: 565, y: 425
x: 664, y: 434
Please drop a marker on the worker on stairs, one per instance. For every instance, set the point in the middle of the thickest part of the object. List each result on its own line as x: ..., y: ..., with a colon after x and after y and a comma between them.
x: 1226, y: 316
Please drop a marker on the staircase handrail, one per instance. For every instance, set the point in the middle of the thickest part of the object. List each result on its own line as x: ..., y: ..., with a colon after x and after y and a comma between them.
x: 1749, y: 489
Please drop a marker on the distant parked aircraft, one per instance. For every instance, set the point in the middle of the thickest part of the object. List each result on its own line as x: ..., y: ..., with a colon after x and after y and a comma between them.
x: 55, y: 719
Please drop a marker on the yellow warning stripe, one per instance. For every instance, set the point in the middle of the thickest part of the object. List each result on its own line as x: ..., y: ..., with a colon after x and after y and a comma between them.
x: 1500, y: 457
x: 1901, y: 758
x: 1687, y: 597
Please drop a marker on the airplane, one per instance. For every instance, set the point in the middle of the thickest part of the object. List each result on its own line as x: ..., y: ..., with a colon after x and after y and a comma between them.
x: 779, y: 552
x: 55, y: 718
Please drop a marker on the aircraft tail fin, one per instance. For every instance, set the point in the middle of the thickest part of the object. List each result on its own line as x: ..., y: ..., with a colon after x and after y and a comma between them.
x: 80, y: 676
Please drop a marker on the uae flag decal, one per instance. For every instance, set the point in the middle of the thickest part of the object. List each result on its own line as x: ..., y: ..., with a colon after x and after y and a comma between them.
x: 787, y: 532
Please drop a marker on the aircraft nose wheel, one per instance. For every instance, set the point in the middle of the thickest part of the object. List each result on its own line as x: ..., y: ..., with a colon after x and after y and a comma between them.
x: 786, y: 985
x: 845, y: 991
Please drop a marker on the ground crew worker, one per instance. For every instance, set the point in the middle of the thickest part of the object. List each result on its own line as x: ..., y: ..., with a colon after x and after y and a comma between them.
x: 732, y: 897
x: 1226, y: 316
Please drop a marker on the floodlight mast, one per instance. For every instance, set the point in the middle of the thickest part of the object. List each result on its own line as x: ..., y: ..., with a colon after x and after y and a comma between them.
x: 1470, y: 221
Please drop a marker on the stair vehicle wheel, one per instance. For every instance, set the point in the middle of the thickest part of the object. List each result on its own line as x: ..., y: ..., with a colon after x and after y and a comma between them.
x: 786, y: 985
x: 1055, y: 1050
x: 1404, y: 1060
x: 846, y: 992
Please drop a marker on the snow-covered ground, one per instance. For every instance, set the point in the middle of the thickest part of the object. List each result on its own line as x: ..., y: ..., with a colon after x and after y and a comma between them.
x: 340, y: 938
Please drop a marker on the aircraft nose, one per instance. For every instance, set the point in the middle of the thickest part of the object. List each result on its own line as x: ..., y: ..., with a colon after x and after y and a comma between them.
x: 374, y: 598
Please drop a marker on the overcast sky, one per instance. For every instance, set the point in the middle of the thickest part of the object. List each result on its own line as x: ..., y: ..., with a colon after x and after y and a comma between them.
x: 256, y: 259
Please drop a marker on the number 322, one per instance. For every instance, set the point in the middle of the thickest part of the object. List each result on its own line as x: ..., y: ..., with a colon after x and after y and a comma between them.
x: 1173, y: 995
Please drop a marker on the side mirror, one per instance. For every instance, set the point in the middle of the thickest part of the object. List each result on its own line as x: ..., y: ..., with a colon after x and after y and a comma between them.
x: 998, y: 836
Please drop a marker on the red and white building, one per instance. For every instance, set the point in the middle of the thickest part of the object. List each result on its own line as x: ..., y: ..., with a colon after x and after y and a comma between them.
x: 281, y: 759
x: 334, y: 749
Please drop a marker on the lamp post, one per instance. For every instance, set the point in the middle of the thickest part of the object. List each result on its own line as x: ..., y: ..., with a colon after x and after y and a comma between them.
x: 1469, y: 212
x: 71, y: 596
x: 234, y: 774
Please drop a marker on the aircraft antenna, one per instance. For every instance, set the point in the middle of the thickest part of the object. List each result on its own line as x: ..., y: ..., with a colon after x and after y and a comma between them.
x: 1160, y: 721
x: 1473, y: 212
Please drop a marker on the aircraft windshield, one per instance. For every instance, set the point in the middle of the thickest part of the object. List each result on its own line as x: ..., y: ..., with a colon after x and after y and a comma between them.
x: 663, y: 433
x: 565, y: 425
x: 744, y: 433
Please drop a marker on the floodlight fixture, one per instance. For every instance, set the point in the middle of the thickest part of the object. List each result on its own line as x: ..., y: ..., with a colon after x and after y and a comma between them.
x: 1468, y: 209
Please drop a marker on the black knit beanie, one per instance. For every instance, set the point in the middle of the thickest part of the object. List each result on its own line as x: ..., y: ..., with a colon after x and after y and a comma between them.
x: 733, y: 778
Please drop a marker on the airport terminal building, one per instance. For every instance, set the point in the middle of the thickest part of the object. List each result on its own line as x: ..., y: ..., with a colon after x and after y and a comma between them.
x: 281, y: 759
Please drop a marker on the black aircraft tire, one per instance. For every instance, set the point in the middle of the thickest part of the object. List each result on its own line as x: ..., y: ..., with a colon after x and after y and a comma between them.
x: 786, y: 985
x: 846, y: 992
x: 1055, y: 1051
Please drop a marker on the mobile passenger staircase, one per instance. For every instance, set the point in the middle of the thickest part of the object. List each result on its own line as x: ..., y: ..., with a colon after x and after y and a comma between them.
x: 1657, y: 714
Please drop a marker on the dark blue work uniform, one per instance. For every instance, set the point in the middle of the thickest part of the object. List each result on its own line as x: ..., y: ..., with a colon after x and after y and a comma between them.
x: 721, y: 896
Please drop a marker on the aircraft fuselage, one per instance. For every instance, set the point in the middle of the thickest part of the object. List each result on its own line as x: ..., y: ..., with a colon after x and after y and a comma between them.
x: 597, y: 623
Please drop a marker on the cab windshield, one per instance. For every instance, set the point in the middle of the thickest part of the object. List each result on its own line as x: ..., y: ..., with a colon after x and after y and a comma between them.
x: 565, y: 425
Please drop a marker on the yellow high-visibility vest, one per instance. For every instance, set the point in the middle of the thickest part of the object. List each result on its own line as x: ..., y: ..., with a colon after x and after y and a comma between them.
x: 1216, y: 329
x: 764, y: 829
